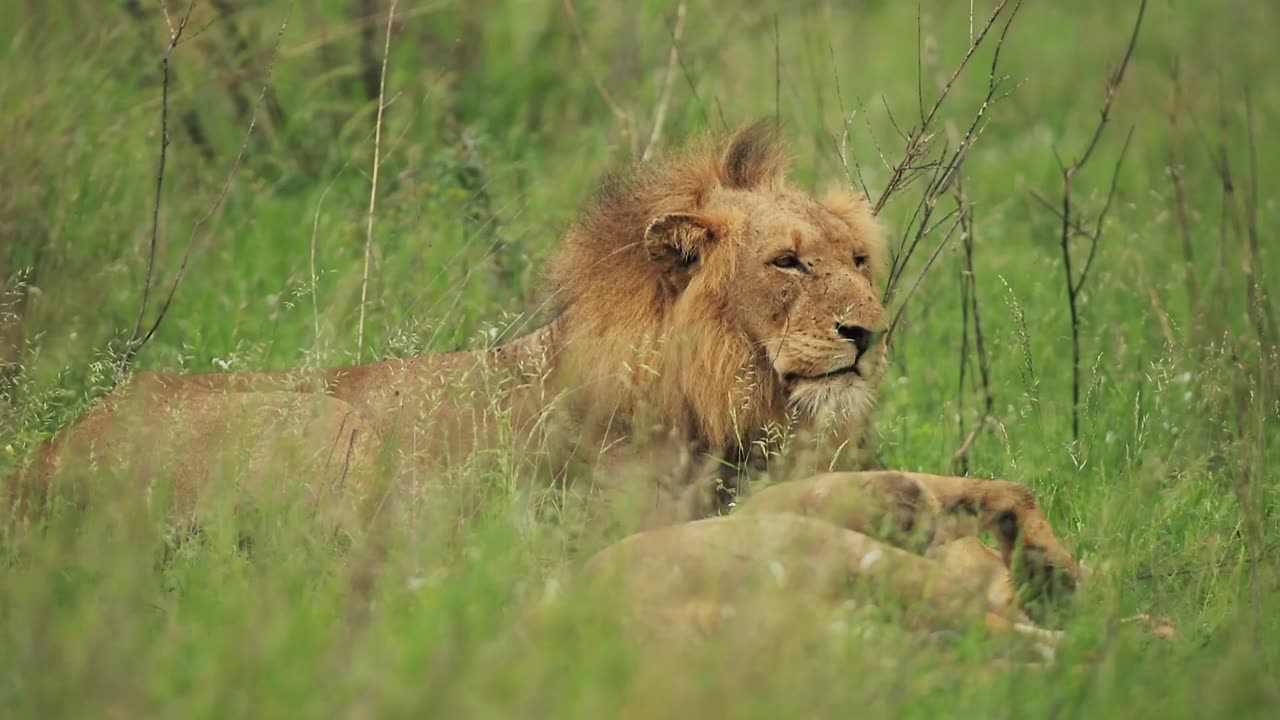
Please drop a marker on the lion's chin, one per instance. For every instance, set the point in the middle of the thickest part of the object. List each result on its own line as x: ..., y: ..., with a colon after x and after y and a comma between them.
x: 839, y: 398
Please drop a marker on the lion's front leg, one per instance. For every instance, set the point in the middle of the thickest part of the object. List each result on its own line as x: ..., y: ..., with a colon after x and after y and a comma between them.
x: 1008, y: 510
x: 777, y: 572
x: 886, y: 506
x: 917, y: 510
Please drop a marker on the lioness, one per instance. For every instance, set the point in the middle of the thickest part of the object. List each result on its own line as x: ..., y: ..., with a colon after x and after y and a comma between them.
x: 692, y: 579
x: 702, y: 306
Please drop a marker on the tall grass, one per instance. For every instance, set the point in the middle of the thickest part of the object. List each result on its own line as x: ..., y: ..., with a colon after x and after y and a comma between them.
x: 495, y: 131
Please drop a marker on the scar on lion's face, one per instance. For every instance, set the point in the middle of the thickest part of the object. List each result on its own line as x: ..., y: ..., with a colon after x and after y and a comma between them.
x: 810, y: 267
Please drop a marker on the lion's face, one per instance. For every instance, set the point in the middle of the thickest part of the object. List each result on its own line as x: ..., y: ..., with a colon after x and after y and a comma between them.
x: 795, y: 277
x: 709, y: 288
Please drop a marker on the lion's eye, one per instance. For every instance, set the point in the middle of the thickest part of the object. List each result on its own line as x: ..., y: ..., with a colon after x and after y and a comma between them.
x: 786, y: 262
x: 860, y: 261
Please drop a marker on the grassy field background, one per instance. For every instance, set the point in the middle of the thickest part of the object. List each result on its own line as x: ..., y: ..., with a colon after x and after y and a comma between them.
x: 501, y: 115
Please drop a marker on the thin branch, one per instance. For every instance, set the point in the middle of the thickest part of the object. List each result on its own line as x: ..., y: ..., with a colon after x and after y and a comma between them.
x: 369, y: 51
x: 373, y: 189
x: 623, y: 117
x: 217, y: 203
x: 1102, y: 214
x: 843, y: 142
x: 972, y: 316
x: 960, y: 458
x: 315, y: 278
x: 970, y: 23
x: 906, y: 137
x: 175, y: 35
x: 1113, y: 84
x: 673, y: 58
x: 1071, y: 227
x: 777, y: 77
x: 959, y: 462
x: 979, y: 339
x: 693, y: 90
x: 1260, y: 304
x: 724, y: 123
x: 1076, y: 228
x: 923, y: 272
x: 1180, y: 200
x: 917, y: 141
x: 945, y: 168
x: 919, y: 62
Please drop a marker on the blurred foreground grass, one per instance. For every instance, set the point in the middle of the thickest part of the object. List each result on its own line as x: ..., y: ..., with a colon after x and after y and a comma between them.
x: 494, y: 133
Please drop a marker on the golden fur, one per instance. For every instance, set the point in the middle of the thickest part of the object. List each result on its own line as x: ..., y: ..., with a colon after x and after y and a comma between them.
x: 923, y: 513
x: 806, y: 548
x: 674, y: 327
x: 702, y: 306
x: 193, y: 438
x: 668, y: 275
x: 770, y: 572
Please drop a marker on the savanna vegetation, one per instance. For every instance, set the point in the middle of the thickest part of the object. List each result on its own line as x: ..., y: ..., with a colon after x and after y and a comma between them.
x: 1083, y: 305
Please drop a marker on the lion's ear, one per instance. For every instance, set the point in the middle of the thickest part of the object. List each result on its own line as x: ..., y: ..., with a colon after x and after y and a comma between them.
x: 752, y: 158
x: 678, y: 240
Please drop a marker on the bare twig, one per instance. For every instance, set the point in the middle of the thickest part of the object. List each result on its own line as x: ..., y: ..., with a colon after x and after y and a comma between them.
x: 693, y: 90
x: 189, y: 119
x: 939, y: 168
x: 628, y: 129
x: 971, y: 317
x: 243, y: 51
x: 1180, y: 204
x: 777, y: 77
x: 919, y: 278
x: 373, y: 188
x: 175, y: 36
x: 920, y: 53
x: 917, y: 143
x: 970, y: 23
x: 1102, y: 214
x: 132, y: 349
x: 960, y: 458
x: 1071, y: 227
x: 1259, y: 303
x: 842, y: 142
x: 1113, y: 84
x: 970, y: 314
x: 673, y: 59
x: 1077, y: 229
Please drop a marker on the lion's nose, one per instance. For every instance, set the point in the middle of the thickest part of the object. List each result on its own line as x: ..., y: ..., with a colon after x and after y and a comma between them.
x: 859, y: 336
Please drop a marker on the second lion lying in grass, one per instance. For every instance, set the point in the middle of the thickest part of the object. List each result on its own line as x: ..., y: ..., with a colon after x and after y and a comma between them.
x: 811, y: 546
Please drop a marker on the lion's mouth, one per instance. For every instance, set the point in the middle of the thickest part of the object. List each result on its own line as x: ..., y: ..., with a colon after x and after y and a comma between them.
x: 851, y: 369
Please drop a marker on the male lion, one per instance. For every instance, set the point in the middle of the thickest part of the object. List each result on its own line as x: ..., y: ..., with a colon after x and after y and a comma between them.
x: 703, y: 308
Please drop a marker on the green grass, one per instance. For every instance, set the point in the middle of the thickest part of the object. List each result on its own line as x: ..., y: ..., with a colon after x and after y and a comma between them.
x: 495, y: 134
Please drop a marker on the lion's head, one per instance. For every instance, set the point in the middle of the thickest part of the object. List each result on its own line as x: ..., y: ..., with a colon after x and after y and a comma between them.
x: 710, y: 286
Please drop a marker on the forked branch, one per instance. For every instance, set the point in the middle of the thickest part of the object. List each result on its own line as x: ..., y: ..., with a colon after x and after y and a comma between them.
x: 940, y: 167
x: 139, y: 339
x: 971, y: 327
x: 1073, y: 225
x: 135, y: 342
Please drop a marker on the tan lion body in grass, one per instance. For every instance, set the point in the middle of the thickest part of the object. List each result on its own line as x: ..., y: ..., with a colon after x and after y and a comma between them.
x: 817, y: 543
x: 703, y: 307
